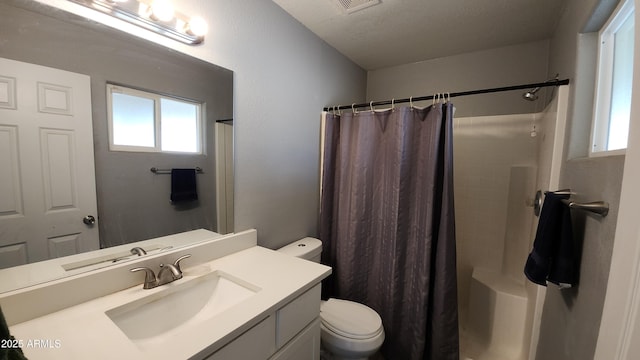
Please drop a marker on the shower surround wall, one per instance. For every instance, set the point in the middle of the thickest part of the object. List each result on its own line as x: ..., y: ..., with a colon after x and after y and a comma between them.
x: 494, y: 156
x: 499, y: 164
x: 495, y: 181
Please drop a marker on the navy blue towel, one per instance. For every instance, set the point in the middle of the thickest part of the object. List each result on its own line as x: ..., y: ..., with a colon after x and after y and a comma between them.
x: 9, y: 349
x: 552, y: 258
x: 183, y: 185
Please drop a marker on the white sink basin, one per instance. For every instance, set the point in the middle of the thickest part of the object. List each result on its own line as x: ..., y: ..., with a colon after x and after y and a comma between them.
x: 154, y: 318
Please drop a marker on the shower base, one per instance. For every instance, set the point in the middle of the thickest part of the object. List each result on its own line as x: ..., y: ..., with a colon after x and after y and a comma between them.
x: 497, y: 316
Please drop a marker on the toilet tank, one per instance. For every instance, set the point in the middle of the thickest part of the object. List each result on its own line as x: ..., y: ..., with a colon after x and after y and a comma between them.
x: 308, y: 248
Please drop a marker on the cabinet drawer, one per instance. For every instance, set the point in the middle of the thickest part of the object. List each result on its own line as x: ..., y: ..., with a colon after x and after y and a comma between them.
x: 255, y: 343
x: 297, y: 314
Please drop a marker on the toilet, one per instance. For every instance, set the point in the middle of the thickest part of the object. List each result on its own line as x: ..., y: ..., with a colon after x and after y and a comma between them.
x: 349, y: 330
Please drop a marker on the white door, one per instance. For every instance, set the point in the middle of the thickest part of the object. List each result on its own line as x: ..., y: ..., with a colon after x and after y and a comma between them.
x: 47, y: 177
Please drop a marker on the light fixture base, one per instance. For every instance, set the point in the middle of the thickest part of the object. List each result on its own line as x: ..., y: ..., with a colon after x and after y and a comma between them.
x: 137, y: 12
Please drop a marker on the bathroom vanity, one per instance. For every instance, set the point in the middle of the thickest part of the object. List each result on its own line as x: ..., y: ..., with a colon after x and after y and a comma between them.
x: 236, y: 300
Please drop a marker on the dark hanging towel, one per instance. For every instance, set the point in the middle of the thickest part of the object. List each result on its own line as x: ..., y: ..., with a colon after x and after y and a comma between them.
x: 183, y: 185
x: 9, y: 352
x: 553, y: 256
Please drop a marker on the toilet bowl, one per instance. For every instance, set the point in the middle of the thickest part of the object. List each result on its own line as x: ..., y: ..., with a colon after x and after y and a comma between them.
x: 349, y: 330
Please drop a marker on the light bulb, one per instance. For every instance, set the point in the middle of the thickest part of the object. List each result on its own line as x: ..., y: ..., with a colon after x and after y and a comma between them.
x: 197, y: 26
x: 162, y: 10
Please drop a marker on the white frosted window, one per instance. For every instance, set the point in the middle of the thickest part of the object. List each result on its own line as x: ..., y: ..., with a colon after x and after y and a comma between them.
x: 621, y: 89
x: 615, y: 75
x: 150, y: 122
x: 180, y: 126
x: 133, y: 120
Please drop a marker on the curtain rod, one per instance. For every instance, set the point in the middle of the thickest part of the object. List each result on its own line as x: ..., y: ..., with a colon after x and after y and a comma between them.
x: 453, y: 94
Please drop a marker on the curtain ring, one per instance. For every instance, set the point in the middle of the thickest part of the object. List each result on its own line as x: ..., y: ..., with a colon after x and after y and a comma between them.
x: 371, y: 106
x: 353, y: 108
x: 411, y: 102
x: 393, y: 105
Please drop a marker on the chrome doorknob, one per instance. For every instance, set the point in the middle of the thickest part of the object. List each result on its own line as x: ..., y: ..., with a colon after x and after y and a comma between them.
x: 89, y: 220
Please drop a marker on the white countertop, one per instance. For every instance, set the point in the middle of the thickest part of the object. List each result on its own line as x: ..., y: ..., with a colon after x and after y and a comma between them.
x: 22, y: 276
x: 84, y: 331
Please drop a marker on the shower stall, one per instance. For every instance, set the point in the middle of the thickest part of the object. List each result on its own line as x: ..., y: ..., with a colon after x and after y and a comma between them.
x: 500, y: 163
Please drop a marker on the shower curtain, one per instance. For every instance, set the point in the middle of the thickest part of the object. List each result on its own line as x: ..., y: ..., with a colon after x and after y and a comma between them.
x: 387, y: 224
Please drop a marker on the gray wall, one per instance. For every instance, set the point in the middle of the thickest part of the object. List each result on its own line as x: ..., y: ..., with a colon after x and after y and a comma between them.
x: 283, y: 76
x: 133, y: 204
x: 512, y: 65
x: 571, y: 318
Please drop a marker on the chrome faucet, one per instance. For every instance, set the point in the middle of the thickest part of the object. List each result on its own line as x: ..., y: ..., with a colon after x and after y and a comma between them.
x: 168, y: 273
x: 150, y: 280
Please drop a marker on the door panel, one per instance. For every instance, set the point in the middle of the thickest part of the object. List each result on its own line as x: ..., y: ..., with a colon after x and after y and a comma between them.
x: 47, y: 184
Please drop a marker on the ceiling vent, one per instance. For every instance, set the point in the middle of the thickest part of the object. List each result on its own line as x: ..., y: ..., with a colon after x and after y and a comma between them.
x: 351, y: 6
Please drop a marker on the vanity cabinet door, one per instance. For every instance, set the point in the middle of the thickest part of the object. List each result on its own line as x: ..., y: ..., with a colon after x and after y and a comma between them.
x: 297, y: 314
x: 305, y: 346
x: 256, y: 343
x: 294, y: 330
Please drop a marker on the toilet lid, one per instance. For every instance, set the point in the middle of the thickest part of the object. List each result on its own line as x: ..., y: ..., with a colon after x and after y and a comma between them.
x: 350, y: 319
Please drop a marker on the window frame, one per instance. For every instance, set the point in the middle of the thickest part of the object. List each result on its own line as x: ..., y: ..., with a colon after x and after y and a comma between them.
x: 604, y: 81
x: 156, y: 97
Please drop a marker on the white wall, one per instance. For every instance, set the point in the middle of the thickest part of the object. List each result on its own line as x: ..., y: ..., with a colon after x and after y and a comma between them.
x: 283, y: 76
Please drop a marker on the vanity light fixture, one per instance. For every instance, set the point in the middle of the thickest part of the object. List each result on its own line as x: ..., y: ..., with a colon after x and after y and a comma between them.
x: 155, y: 15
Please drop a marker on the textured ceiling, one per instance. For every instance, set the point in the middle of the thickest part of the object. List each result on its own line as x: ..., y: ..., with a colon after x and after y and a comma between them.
x: 396, y: 32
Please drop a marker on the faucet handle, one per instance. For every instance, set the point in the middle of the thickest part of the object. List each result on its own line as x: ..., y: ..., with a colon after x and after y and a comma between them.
x: 150, y: 280
x: 177, y: 262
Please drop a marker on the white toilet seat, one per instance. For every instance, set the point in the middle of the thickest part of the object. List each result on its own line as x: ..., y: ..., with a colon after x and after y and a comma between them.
x: 350, y: 330
x: 345, y: 348
x: 350, y: 319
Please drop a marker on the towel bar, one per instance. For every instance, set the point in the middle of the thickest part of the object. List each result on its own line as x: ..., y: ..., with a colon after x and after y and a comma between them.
x: 536, y: 203
x: 155, y: 170
x: 598, y: 207
x: 561, y: 192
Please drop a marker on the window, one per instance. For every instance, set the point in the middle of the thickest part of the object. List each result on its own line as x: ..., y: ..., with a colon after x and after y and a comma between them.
x: 149, y: 122
x: 615, y: 75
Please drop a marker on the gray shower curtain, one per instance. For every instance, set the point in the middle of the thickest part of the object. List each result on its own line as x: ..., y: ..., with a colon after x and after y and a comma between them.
x: 387, y: 224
